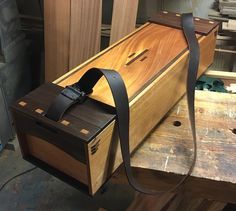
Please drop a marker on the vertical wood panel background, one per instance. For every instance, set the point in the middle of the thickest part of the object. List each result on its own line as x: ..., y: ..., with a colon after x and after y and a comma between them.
x: 72, y: 34
x: 57, y: 35
x: 123, y: 18
x: 85, y: 35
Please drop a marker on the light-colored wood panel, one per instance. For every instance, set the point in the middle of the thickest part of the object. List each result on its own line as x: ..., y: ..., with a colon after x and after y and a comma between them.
x: 56, y: 34
x: 149, y: 106
x: 85, y: 30
x: 57, y: 158
x: 99, y: 168
x: 221, y: 74
x: 123, y: 18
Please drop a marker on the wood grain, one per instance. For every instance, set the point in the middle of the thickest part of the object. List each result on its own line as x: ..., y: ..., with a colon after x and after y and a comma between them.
x: 57, y: 158
x: 175, y: 202
x: 57, y: 36
x: 221, y: 74
x: 100, y: 167
x: 71, y: 72
x: 164, y: 46
x: 72, y: 34
x: 123, y: 18
x: 83, y: 122
x: 85, y: 32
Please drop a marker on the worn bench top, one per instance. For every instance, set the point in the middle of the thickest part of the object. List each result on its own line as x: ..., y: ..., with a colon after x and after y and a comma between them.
x: 168, y: 149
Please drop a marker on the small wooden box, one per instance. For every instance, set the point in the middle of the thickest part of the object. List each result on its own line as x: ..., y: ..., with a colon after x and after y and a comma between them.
x: 83, y: 148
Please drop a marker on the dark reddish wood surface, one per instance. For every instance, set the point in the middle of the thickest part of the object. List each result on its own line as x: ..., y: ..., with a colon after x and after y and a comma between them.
x: 91, y: 115
x: 170, y: 19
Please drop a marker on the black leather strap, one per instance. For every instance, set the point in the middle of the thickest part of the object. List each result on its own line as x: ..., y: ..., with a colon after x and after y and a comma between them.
x: 68, y: 97
x: 85, y: 85
x: 194, y: 59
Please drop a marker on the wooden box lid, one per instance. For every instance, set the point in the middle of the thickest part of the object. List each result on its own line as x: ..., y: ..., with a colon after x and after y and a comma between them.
x: 83, y: 121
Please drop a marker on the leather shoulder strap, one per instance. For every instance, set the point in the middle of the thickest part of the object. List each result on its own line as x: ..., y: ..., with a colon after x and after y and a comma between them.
x: 76, y: 93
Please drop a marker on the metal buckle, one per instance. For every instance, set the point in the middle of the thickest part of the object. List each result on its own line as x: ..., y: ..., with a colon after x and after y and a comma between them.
x: 74, y: 93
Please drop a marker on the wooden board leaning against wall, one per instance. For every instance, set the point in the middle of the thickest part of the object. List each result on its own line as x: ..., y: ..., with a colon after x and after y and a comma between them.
x: 72, y: 34
x: 73, y: 31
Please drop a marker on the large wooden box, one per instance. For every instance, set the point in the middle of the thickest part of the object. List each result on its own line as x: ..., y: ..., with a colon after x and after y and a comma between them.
x: 83, y: 149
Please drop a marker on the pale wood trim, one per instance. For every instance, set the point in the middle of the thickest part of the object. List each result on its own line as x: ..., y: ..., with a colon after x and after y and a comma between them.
x: 163, y: 75
x: 221, y: 74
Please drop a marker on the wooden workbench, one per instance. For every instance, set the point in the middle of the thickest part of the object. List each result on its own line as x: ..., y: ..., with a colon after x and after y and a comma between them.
x: 167, y: 152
